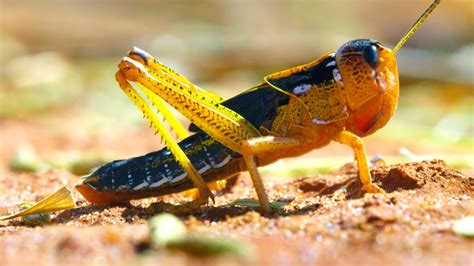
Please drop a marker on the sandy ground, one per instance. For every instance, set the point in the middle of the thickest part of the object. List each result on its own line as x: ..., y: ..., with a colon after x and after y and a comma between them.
x: 329, y: 221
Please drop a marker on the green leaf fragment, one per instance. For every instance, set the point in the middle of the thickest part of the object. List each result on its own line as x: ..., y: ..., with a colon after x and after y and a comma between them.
x: 206, y: 247
x: 25, y: 159
x: 253, y: 203
x: 84, y: 165
x: 464, y: 227
x: 164, y: 228
x: 167, y: 231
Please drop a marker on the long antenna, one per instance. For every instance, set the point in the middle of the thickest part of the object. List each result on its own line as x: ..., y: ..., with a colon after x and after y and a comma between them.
x: 416, y: 26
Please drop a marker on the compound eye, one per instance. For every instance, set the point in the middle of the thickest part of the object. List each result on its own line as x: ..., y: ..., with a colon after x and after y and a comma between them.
x: 371, y: 56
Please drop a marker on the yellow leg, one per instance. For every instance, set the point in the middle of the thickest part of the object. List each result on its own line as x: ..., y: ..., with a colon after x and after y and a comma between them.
x: 166, y: 136
x: 220, y: 122
x: 261, y: 145
x: 356, y: 143
x: 257, y: 183
x: 165, y: 112
x: 213, y: 186
x: 160, y: 71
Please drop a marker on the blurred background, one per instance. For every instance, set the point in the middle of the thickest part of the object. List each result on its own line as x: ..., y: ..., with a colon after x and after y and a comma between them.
x: 60, y: 105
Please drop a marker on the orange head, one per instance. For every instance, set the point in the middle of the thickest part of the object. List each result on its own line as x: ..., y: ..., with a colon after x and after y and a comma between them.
x: 370, y: 77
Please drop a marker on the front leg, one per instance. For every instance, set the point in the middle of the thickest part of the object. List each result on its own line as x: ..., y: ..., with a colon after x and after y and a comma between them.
x: 356, y: 143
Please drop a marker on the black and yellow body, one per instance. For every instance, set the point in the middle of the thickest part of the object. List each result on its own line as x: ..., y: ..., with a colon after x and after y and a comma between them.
x: 311, y: 104
x: 341, y: 97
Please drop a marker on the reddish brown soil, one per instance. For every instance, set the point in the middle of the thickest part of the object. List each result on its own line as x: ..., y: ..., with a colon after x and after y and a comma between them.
x: 329, y: 221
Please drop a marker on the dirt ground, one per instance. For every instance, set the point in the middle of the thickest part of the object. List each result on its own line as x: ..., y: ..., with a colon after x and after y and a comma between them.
x: 329, y: 221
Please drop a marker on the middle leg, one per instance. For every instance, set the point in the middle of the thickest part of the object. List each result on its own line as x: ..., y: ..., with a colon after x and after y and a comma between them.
x: 258, y: 146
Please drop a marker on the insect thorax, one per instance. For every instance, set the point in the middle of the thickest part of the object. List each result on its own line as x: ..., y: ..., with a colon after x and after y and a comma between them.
x: 320, y: 93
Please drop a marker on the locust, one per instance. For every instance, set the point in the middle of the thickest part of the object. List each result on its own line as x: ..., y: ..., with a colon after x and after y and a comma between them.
x: 341, y: 97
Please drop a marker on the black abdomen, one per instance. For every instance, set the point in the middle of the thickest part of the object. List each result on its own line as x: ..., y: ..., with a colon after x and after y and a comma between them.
x: 159, y: 169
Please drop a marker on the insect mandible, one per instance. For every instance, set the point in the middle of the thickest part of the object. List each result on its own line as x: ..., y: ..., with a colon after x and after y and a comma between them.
x: 342, y: 97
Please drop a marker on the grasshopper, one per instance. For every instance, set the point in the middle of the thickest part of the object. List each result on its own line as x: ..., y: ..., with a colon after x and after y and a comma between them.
x: 342, y: 97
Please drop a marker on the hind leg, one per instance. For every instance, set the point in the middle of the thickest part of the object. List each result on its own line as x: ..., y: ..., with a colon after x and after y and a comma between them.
x: 159, y: 127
